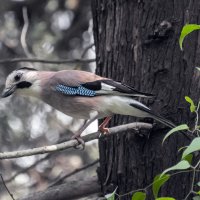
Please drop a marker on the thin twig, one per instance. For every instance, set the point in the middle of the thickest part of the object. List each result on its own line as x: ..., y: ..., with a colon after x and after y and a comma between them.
x: 11, y: 195
x: 194, y: 170
x: 60, y: 180
x: 24, y: 33
x: 73, y: 143
x: 28, y: 168
x: 197, y: 119
x: 83, y: 54
x: 48, y: 156
x: 191, y: 191
x: 38, y: 60
x: 86, y: 50
x: 192, y: 186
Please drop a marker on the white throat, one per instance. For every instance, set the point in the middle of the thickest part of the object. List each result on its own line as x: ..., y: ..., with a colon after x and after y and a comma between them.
x: 34, y: 90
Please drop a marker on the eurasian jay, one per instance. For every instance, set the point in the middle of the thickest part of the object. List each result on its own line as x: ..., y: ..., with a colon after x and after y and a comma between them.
x: 80, y: 94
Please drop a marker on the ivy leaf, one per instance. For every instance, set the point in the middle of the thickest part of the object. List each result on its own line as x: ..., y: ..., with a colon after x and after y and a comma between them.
x: 111, y: 196
x: 196, y: 198
x: 198, y: 127
x: 139, y: 196
x: 187, y: 29
x: 198, y: 68
x: 194, y: 146
x: 192, y: 106
x: 189, y: 158
x: 165, y: 198
x: 178, y: 128
x: 198, y: 192
x: 158, y: 182
x: 182, y: 165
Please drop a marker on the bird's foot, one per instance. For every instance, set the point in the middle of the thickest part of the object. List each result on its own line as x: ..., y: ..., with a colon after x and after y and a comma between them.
x: 104, y: 130
x: 81, y: 142
x: 102, y: 127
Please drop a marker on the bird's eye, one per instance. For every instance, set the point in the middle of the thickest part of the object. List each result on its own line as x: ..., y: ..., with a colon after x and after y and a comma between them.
x: 17, y: 77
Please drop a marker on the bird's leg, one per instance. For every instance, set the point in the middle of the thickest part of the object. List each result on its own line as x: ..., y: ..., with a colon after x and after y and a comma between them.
x: 102, y: 127
x: 77, y: 135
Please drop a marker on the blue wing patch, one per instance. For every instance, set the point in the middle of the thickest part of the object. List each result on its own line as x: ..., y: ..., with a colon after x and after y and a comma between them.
x: 80, y: 90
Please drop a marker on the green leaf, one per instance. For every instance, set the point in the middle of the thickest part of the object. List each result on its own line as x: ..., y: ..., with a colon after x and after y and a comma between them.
x: 189, y: 158
x: 139, y: 196
x: 182, y: 165
x: 192, y: 106
x: 178, y: 128
x: 198, y: 184
x: 198, y: 192
x: 111, y: 196
x: 165, y: 198
x: 158, y: 182
x: 198, y: 126
x: 198, y: 68
x: 196, y: 198
x: 187, y: 29
x: 194, y: 146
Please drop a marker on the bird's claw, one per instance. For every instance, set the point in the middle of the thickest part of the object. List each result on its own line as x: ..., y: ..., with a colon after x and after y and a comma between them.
x: 81, y: 142
x: 102, y: 127
x: 104, y: 130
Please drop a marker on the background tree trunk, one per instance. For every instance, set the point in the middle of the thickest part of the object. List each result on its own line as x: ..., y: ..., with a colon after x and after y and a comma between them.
x: 133, y: 47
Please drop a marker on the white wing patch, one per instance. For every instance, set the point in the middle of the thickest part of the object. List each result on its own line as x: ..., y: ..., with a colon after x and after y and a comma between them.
x: 106, y: 89
x: 105, y: 86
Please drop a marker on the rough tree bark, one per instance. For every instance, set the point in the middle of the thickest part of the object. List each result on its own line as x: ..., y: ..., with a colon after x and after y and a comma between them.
x: 132, y: 47
x: 67, y: 191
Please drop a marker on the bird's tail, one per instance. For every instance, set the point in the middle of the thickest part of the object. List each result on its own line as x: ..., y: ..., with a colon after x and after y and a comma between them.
x: 163, y: 121
x: 171, y: 125
x: 148, y: 113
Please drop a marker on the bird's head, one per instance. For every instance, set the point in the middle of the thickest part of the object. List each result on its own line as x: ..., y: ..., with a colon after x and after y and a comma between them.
x: 23, y: 81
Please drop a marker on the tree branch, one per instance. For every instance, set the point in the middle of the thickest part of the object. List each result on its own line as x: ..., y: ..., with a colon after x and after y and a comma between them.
x: 24, y: 32
x: 61, y: 179
x: 69, y: 190
x: 38, y: 60
x: 28, y: 168
x: 11, y: 195
x: 73, y: 143
x: 86, y: 50
x: 47, y: 157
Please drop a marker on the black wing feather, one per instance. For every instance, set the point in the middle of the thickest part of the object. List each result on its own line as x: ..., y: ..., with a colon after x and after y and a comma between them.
x: 114, y: 87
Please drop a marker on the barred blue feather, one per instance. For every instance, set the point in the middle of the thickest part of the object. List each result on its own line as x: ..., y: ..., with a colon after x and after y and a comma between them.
x: 80, y: 90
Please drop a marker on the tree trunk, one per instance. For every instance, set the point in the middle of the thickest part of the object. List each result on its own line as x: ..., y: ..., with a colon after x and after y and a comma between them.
x: 133, y: 47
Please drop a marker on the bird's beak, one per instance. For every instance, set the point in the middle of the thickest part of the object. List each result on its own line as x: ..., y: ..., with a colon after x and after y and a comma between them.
x: 8, y: 91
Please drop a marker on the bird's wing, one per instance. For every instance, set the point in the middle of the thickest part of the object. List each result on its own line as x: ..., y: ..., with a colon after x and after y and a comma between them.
x: 70, y: 82
x: 108, y: 86
x: 80, y: 83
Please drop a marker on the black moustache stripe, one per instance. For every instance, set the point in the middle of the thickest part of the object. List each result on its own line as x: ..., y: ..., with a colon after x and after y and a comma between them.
x: 24, y: 84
